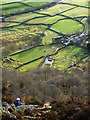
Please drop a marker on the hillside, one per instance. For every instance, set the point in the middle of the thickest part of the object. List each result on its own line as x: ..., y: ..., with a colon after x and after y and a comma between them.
x: 45, y: 56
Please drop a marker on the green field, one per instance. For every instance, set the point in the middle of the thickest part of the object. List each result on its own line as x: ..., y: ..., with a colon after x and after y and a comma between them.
x: 80, y: 11
x: 47, y: 39
x: 17, y: 7
x: 35, y: 3
x: 46, y: 20
x: 56, y: 9
x: 12, y: 8
x: 67, y: 26
x: 71, y: 53
x: 23, y: 17
x: 32, y: 54
x: 81, y: 3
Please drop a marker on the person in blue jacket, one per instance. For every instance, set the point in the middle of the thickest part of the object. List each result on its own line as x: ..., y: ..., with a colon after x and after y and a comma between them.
x: 17, y: 102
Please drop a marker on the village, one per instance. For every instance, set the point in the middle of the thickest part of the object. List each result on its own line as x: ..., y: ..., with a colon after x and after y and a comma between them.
x: 80, y: 39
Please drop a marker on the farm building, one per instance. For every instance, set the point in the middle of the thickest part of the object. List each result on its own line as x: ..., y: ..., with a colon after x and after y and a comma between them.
x: 2, y: 19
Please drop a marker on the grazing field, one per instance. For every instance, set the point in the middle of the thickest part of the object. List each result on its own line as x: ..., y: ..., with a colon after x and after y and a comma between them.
x: 32, y: 54
x: 56, y: 9
x: 62, y: 26
x: 80, y: 11
x: 35, y: 3
x: 23, y: 17
x: 10, y: 8
x: 20, y: 6
x: 46, y: 20
x: 48, y: 35
x: 81, y: 3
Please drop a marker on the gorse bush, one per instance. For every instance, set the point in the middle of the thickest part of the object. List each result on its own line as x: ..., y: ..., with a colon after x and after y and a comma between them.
x: 17, y: 40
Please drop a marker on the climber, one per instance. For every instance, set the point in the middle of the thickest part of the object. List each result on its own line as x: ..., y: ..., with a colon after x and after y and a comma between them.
x: 17, y: 102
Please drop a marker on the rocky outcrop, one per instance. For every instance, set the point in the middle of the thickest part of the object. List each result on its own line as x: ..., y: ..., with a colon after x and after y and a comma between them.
x: 23, y: 107
x: 66, y: 109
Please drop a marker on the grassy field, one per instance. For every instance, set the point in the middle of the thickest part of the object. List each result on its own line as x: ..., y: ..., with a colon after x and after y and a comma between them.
x: 32, y: 54
x: 71, y: 53
x: 31, y: 66
x: 47, y: 39
x: 81, y: 3
x: 35, y: 3
x: 11, y: 8
x: 23, y: 17
x: 56, y: 9
x: 46, y: 20
x: 80, y: 11
x: 67, y: 26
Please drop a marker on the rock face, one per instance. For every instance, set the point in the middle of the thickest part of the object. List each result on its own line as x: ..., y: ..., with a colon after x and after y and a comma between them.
x: 6, y: 114
x: 67, y: 109
x: 23, y: 107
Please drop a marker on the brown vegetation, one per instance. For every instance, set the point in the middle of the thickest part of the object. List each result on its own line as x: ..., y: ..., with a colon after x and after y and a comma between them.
x: 43, y: 85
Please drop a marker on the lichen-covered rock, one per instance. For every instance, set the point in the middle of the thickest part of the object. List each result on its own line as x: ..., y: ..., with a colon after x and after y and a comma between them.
x: 8, y: 116
x: 29, y: 117
x: 12, y: 115
x: 13, y: 106
x: 23, y: 107
x: 5, y: 104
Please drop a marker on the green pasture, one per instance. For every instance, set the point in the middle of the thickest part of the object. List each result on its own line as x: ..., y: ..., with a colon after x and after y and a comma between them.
x: 47, y: 39
x: 23, y: 17
x: 34, y: 4
x: 46, y: 20
x: 31, y: 54
x: 37, y: 20
x: 79, y: 11
x: 12, y: 8
x: 56, y: 9
x: 67, y: 26
x: 81, y: 3
x: 51, y: 20
x: 31, y: 66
